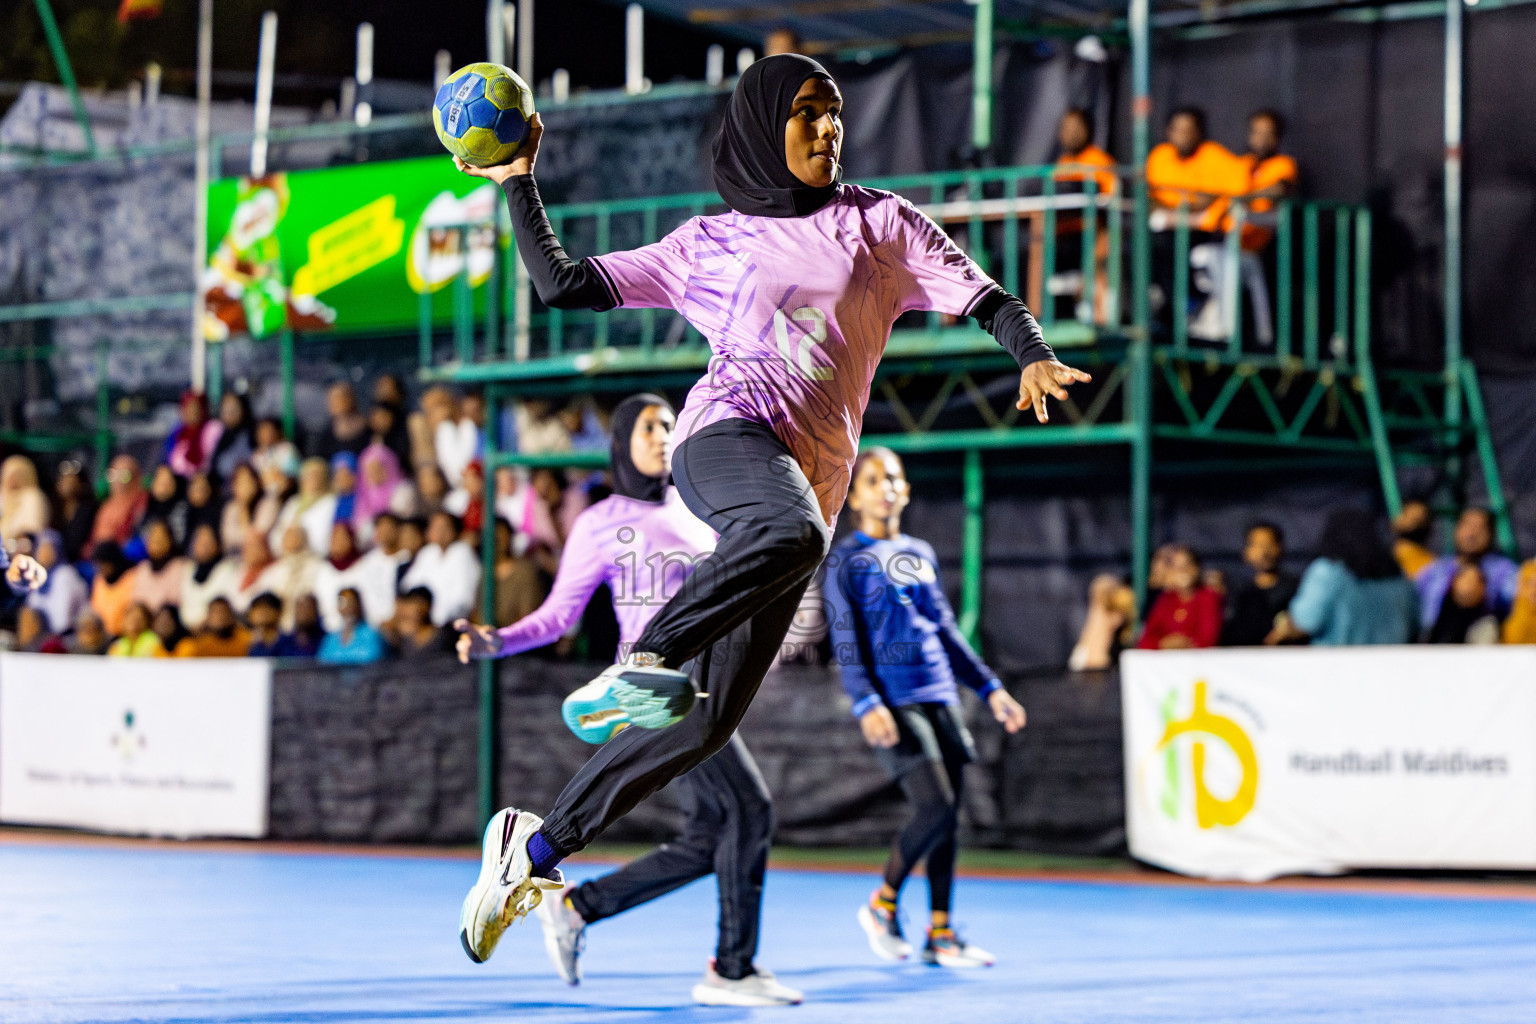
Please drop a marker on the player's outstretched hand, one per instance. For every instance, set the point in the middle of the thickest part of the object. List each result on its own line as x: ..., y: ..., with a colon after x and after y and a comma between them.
x: 25, y: 573
x: 1046, y: 377
x: 476, y: 642
x: 522, y: 163
x: 879, y: 727
x: 1008, y: 712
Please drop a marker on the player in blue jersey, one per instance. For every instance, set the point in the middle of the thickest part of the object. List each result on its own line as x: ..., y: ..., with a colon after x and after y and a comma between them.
x: 902, y: 656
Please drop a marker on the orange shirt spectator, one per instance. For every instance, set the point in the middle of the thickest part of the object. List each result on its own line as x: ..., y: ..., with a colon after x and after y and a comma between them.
x: 1191, y: 169
x: 1074, y: 136
x: 1272, y: 176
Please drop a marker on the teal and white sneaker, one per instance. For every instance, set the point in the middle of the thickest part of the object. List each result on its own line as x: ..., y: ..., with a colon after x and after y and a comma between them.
x: 947, y: 949
x: 507, y: 888
x: 565, y: 935
x: 760, y: 988
x: 883, y: 929
x: 636, y: 691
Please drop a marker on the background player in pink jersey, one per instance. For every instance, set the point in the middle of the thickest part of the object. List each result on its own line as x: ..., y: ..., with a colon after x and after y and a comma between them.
x: 642, y: 541
x: 796, y: 289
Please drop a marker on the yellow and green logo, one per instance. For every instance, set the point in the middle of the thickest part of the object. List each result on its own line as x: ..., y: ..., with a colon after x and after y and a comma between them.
x: 1203, y: 725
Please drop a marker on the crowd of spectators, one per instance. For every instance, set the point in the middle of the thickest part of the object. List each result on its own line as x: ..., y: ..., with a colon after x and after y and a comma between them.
x: 357, y: 543
x: 1360, y: 589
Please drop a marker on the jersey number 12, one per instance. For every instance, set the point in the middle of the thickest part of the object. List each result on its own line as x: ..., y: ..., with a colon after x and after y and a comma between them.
x: 802, y: 359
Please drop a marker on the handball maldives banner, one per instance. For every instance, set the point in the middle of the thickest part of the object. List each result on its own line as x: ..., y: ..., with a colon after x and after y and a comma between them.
x: 344, y: 248
x: 162, y: 747
x: 1247, y: 764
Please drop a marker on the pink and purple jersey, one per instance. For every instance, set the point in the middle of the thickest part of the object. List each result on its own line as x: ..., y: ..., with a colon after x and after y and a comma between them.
x: 798, y: 311
x: 642, y: 550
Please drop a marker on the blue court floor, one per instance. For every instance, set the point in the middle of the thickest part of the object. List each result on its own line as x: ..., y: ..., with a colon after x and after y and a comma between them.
x: 106, y: 934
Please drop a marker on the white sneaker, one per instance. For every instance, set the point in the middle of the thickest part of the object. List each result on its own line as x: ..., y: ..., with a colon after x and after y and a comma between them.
x: 507, y: 888
x: 950, y: 950
x: 884, y: 932
x: 760, y: 988
x: 565, y: 935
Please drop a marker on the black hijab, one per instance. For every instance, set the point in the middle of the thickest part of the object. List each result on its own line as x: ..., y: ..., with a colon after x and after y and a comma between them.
x: 628, y: 480
x: 750, y: 172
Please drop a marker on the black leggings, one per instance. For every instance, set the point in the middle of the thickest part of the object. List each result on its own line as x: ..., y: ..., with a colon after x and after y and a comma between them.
x: 725, y: 625
x: 933, y: 792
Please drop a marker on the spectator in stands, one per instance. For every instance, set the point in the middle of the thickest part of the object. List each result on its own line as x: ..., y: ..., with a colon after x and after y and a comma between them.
x: 581, y: 421
x: 382, y: 430
x: 90, y: 636
x: 273, y: 450
x: 413, y: 537
x: 431, y: 489
x: 389, y: 395
x: 1187, y: 613
x: 1255, y: 603
x: 354, y: 641
x: 255, y: 560
x: 1464, y: 617
x: 458, y: 441
x: 1411, y: 529
x: 293, y: 574
x: 340, y: 570
x: 191, y: 445
x: 518, y: 593
x: 1353, y: 593
x: 1078, y: 158
x: 119, y: 517
x: 112, y: 587
x: 33, y: 635
x: 1520, y: 627
x: 237, y: 440
x: 377, y: 574
x: 381, y: 488
x: 448, y: 568
x: 539, y: 429
x: 220, y: 635
x: 1272, y: 176
x: 781, y: 40
x: 467, y: 501
x: 64, y: 592
x: 344, y: 487
x: 207, y: 577
x: 1157, y: 570
x: 245, y: 511
x: 1108, y: 628
x: 167, y: 626
x: 168, y: 504
x: 23, y: 505
x: 203, y: 504
x: 438, y: 406
x: 74, y: 510
x: 136, y: 639
x: 312, y: 509
x: 157, y: 579
x: 346, y: 430
x: 307, y: 628
x: 267, y: 637
x: 1474, y: 544
x: 412, y: 633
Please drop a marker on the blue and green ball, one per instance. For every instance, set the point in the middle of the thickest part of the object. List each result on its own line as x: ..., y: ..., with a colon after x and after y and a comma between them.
x: 481, y: 114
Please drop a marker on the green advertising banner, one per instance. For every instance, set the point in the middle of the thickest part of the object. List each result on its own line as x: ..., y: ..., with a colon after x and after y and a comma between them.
x: 344, y: 248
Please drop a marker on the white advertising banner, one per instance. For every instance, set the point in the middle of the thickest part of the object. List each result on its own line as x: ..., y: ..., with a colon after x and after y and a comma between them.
x: 1247, y: 764
x: 145, y: 746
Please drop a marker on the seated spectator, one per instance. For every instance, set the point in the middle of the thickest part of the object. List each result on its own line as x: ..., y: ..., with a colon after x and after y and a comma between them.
x: 1520, y: 627
x: 118, y: 518
x: 467, y: 501
x: 292, y: 576
x: 448, y: 568
x: 389, y: 399
x: 377, y: 574
x: 457, y: 441
x: 412, y: 633
x: 190, y: 447
x: 267, y: 637
x: 438, y: 406
x: 1109, y: 627
x: 33, y: 635
x: 255, y: 560
x: 1464, y: 617
x: 273, y: 450
x: 64, y: 592
x: 219, y: 636
x: 381, y: 488
x: 245, y: 510
x: 346, y: 430
x: 313, y: 508
x: 167, y: 504
x: 237, y: 436
x: 136, y: 639
x: 1474, y: 543
x: 307, y: 628
x: 157, y: 579
x: 203, y: 504
x: 518, y: 590
x: 1258, y: 600
x: 338, y: 571
x: 355, y: 642
x: 1354, y: 592
x: 90, y: 635
x: 580, y: 419
x: 206, y: 576
x: 431, y: 490
x: 23, y: 505
x: 1078, y: 158
x: 343, y: 487
x: 74, y: 511
x: 539, y: 430
x: 1411, y: 528
x: 112, y: 587
x: 167, y: 626
x: 1187, y: 613
x: 413, y: 537
x: 1272, y: 176
x: 1190, y: 170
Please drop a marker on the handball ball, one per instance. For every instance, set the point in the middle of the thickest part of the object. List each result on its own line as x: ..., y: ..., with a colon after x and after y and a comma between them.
x: 481, y: 114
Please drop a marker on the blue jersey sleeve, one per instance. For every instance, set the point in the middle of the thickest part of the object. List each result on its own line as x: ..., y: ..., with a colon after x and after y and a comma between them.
x: 845, y: 624
x: 963, y: 659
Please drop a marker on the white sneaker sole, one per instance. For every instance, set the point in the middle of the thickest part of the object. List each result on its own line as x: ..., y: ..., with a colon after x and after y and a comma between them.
x: 875, y: 932
x: 496, y: 901
x: 709, y: 995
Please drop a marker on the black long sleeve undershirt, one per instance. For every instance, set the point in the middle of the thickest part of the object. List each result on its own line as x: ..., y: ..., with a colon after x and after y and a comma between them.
x: 563, y: 283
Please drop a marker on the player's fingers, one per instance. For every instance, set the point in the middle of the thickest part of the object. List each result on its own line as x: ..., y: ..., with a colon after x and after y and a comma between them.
x: 463, y: 648
x: 1040, y: 413
x: 1026, y: 395
x: 461, y: 625
x: 1076, y: 374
